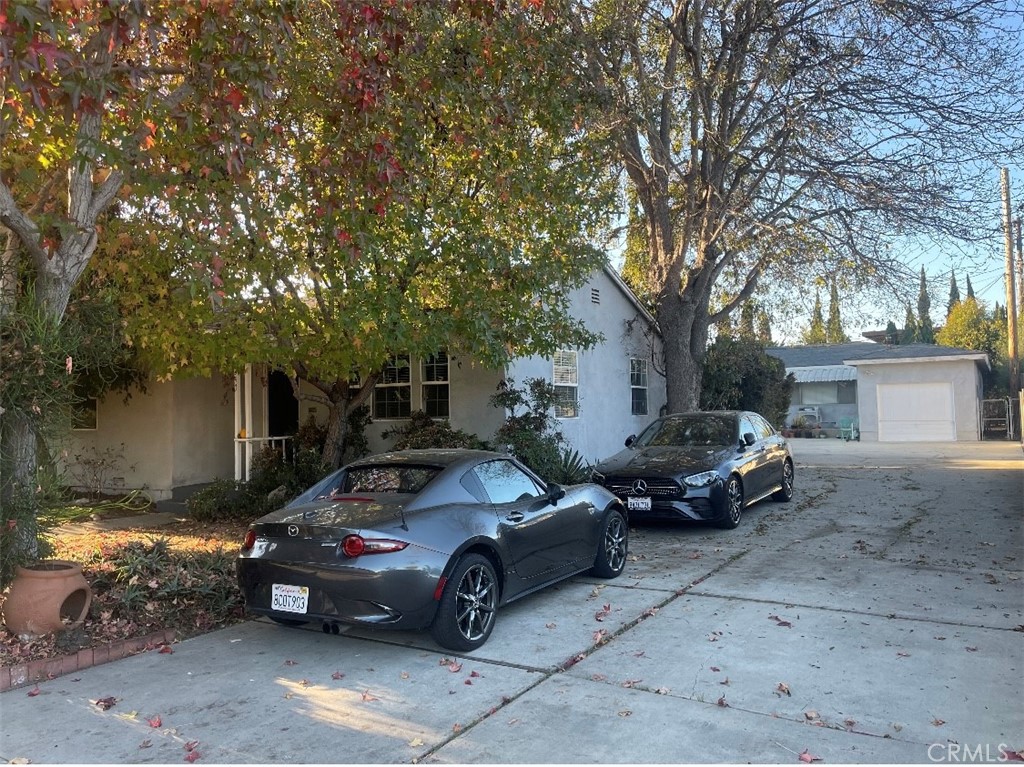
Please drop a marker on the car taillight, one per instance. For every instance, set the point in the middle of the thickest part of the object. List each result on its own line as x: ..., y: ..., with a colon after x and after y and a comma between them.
x: 355, y: 545
x: 249, y: 541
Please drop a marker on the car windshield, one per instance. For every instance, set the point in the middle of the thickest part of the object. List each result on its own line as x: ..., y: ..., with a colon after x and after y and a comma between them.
x: 380, y: 479
x: 687, y: 431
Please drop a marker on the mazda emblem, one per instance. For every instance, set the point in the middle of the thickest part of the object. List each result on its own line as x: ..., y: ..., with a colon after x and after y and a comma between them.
x: 293, y: 530
x: 639, y: 487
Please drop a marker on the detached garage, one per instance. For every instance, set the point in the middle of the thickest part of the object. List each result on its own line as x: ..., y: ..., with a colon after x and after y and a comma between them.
x: 919, y: 393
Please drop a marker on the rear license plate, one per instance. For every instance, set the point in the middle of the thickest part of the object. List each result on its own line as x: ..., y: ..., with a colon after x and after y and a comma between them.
x: 289, y: 599
x: 638, y: 504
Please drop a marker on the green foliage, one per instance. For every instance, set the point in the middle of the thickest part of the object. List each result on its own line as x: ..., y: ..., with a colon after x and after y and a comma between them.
x: 193, y: 591
x: 529, y: 432
x: 892, y: 333
x: 970, y: 326
x: 925, y: 331
x: 954, y: 294
x: 738, y: 375
x: 834, y: 327
x: 422, y: 431
x: 815, y: 333
x: 17, y: 515
x: 572, y: 469
x: 222, y: 499
x: 910, y: 328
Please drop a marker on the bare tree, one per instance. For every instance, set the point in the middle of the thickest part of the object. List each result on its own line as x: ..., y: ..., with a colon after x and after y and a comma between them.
x: 774, y: 137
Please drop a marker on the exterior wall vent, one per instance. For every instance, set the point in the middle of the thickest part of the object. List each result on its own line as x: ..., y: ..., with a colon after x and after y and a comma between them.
x: 595, y: 295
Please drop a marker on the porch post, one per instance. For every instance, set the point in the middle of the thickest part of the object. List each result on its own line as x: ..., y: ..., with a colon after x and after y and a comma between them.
x: 239, y: 388
x: 248, y: 420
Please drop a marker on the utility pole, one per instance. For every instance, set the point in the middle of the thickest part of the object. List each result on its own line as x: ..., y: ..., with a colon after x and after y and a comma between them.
x: 1011, y: 293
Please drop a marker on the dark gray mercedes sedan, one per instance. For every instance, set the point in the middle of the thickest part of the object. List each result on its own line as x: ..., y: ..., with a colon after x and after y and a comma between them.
x: 426, y: 538
x: 703, y: 466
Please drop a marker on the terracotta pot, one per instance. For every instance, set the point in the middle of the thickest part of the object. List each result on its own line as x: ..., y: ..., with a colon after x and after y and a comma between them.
x: 47, y: 596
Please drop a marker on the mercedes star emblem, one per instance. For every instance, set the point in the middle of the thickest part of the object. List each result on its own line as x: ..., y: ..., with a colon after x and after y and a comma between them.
x: 639, y: 487
x: 293, y: 530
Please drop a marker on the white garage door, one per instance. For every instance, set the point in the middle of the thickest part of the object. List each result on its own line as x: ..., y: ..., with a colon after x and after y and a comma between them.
x: 916, y: 412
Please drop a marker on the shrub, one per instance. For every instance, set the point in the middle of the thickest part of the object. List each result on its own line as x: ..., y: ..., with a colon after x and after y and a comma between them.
x: 529, y: 431
x: 223, y: 499
x: 422, y: 431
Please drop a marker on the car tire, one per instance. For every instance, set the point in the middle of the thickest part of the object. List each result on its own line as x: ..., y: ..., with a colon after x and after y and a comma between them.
x: 733, y: 503
x: 785, y: 493
x: 612, y: 547
x: 469, y: 604
x: 292, y: 622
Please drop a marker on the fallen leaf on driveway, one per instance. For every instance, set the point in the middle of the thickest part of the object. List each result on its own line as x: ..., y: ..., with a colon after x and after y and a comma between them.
x: 850, y: 723
x: 166, y: 650
x: 600, y: 636
x: 456, y: 727
x: 337, y: 675
x: 902, y: 655
x: 34, y: 692
x: 725, y: 681
x: 475, y: 674
x: 106, y: 703
x: 603, y: 613
x: 780, y: 622
x: 971, y: 649
x: 404, y: 675
x: 598, y: 677
x: 291, y: 663
x: 454, y: 667
x: 550, y: 625
x: 416, y: 742
x: 808, y: 757
x: 630, y: 683
x: 663, y: 691
x: 147, y: 743
x: 716, y: 669
x: 938, y: 722
x: 810, y: 715
x: 722, y: 703
x: 1012, y: 756
x: 156, y: 721
x: 783, y: 689
x: 625, y: 712
x: 367, y: 697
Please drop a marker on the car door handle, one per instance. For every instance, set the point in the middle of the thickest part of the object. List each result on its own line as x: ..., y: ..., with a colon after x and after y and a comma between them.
x: 515, y: 516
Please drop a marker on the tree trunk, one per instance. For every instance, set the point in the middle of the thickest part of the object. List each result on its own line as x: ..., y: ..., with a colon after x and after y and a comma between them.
x: 337, y: 432
x: 684, y: 322
x: 17, y: 491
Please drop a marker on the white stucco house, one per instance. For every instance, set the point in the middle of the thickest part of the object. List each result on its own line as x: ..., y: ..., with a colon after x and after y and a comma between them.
x: 185, y: 433
x: 904, y: 393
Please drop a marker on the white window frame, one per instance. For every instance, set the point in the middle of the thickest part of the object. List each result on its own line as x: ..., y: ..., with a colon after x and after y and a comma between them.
x: 638, y: 381
x: 400, y: 364
x: 435, y: 361
x: 565, y: 376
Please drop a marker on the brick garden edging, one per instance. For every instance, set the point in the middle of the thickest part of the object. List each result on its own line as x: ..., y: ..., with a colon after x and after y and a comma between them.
x: 24, y: 674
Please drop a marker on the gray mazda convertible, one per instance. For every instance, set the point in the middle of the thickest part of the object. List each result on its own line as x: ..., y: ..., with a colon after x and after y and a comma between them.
x: 436, y: 539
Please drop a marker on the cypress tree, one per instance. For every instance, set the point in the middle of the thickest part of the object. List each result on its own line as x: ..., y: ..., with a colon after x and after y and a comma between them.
x: 925, y: 332
x: 815, y: 334
x: 954, y: 294
x: 834, y: 329
x: 764, y: 328
x: 970, y: 290
x: 909, y: 327
x: 892, y: 335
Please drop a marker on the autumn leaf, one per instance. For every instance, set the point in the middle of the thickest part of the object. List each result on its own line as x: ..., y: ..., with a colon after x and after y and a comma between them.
x: 630, y: 683
x: 550, y: 625
x: 468, y: 681
x: 716, y: 669
x: 722, y: 703
x: 725, y: 681
x: 603, y: 613
x: 936, y: 722
x: 367, y: 697
x: 156, y: 721
x: 598, y: 677
x: 600, y: 636
x: 475, y: 674
x: 625, y: 712
x: 166, y: 649
x: 416, y: 742
x: 783, y: 689
x: 291, y: 663
x: 454, y: 667
x: 34, y: 691
x: 808, y: 757
x: 902, y: 655
x: 337, y: 675
x: 780, y: 622
x: 147, y: 743
x: 811, y: 715
x: 1012, y: 756
x: 106, y: 703
x: 456, y: 727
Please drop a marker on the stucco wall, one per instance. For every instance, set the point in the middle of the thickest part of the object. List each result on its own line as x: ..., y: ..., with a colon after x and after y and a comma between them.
x: 962, y: 374
x: 203, y: 426
x: 604, y: 419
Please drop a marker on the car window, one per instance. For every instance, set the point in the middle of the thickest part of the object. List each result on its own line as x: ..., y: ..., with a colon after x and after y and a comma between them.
x: 383, y: 479
x: 763, y: 429
x: 747, y: 425
x: 689, y: 431
x: 505, y: 482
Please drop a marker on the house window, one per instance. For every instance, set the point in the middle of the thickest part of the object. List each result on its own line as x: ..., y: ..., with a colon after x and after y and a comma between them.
x: 847, y: 392
x: 392, y: 396
x: 566, y: 382
x: 85, y: 415
x: 828, y: 393
x: 638, y: 386
x: 435, y: 385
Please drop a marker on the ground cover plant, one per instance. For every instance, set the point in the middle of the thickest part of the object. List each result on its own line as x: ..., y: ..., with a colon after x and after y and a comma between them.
x: 178, y: 577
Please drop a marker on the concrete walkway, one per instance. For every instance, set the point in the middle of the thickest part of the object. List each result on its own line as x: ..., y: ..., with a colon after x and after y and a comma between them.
x: 877, y: 618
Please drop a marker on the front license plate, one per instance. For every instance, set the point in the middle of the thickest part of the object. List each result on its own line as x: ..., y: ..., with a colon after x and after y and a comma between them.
x: 289, y: 599
x: 638, y: 504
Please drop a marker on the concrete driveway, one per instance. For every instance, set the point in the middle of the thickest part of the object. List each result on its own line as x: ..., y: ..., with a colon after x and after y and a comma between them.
x: 879, y: 617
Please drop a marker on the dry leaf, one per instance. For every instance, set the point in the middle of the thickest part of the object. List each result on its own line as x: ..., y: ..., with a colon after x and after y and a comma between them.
x: 938, y: 722
x: 454, y: 667
x: 34, y: 691
x: 291, y: 663
x: 716, y: 669
x: 367, y: 697
x: 337, y: 675
x: 625, y: 712
x: 722, y: 703
x: 811, y: 715
x: 456, y: 727
x: 550, y: 625
x: 783, y: 689
x: 807, y: 756
x: 416, y: 742
x: 404, y: 675
x: 166, y: 650
x: 156, y: 721
x: 106, y: 703
x: 147, y: 743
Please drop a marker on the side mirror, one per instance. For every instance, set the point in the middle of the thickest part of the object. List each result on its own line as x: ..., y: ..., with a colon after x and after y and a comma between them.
x: 555, y: 493
x: 748, y: 438
x: 630, y: 440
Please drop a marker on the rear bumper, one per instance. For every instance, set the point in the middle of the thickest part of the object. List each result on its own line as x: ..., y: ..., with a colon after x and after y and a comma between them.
x: 401, y: 598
